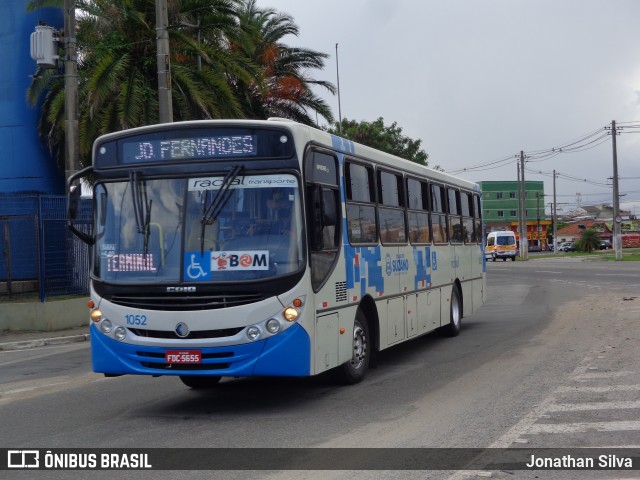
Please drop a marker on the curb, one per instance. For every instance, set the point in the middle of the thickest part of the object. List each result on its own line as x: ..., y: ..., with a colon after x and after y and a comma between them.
x: 43, y: 342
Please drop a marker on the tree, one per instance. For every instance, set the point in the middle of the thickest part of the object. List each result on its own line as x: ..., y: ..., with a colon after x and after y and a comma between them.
x: 284, y: 86
x: 116, y: 42
x: 227, y: 61
x: 388, y: 139
x: 589, y: 240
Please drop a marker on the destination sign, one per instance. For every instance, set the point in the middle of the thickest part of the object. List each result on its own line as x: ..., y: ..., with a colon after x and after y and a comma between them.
x: 222, y: 146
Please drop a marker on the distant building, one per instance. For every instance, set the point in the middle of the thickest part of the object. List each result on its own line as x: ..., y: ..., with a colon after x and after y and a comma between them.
x: 573, y: 232
x: 594, y: 212
x: 500, y: 209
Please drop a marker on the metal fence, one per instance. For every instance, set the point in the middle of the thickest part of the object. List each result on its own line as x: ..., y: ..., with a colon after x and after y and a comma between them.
x: 39, y: 257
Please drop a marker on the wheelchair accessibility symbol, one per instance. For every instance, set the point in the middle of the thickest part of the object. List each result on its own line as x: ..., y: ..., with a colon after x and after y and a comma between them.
x: 197, y: 267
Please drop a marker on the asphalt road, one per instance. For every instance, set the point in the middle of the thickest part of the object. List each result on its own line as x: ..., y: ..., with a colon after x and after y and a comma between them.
x: 551, y: 360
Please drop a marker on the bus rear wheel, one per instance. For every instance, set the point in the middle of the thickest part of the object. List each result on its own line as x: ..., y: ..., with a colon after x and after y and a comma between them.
x: 455, y: 315
x: 200, y: 382
x: 354, y: 370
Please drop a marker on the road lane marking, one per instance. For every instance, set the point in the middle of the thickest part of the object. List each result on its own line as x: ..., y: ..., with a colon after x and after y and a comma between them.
x: 600, y: 375
x: 608, y: 388
x: 576, y: 407
x: 584, y: 427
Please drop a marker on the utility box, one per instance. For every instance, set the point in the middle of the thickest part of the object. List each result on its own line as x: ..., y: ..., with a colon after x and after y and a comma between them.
x: 43, y: 46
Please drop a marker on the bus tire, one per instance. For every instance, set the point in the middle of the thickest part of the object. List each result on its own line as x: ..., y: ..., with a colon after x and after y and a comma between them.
x: 354, y: 370
x: 455, y: 314
x: 200, y: 382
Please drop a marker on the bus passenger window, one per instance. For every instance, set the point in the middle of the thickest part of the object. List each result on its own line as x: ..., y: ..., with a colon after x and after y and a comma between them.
x: 361, y: 211
x: 390, y: 211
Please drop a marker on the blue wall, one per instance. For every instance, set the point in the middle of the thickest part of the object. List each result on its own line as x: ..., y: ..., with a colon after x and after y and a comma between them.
x: 25, y: 164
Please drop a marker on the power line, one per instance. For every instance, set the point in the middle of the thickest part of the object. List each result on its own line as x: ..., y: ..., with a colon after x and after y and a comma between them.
x: 578, y: 144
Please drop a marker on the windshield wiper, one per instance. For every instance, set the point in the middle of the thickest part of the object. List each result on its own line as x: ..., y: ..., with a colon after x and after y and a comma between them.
x: 211, y: 210
x: 141, y: 207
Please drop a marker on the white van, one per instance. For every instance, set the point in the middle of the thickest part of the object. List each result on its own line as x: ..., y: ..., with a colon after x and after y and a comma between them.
x: 501, y: 245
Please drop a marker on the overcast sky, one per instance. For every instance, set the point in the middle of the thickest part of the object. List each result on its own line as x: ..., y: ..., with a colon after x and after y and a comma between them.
x: 480, y: 80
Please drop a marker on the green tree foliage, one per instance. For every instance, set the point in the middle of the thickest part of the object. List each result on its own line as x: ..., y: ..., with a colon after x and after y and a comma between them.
x: 386, y: 138
x: 285, y: 89
x: 589, y: 241
x: 219, y: 68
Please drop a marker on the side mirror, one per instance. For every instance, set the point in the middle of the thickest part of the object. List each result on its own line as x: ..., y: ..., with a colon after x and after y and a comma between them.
x: 73, y: 204
x: 74, y: 201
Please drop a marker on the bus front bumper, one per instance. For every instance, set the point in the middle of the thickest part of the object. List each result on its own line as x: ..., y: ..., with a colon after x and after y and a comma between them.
x: 286, y: 354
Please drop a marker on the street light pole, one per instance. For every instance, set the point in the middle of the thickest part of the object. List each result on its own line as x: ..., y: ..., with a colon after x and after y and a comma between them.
x: 338, y: 79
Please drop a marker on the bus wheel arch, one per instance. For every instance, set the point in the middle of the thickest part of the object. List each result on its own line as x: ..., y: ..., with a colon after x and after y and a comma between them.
x: 370, y: 311
x: 365, y: 344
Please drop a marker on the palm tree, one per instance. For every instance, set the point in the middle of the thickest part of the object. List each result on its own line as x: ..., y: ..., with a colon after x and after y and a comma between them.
x: 118, y: 72
x: 589, y: 240
x: 285, y: 87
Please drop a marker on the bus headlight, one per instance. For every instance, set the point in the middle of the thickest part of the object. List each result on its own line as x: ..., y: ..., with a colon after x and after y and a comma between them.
x: 120, y: 333
x: 290, y: 314
x: 96, y: 315
x: 253, y: 333
x: 105, y: 326
x: 273, y: 326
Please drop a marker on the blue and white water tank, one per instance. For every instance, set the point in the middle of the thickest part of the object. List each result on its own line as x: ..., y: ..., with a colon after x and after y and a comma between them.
x: 25, y: 164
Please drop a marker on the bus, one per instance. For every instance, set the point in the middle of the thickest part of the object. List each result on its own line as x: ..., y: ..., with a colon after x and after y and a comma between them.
x: 243, y: 248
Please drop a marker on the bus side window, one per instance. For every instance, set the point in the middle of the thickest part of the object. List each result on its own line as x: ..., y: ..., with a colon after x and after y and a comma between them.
x: 390, y: 208
x: 439, y: 217
x: 417, y: 213
x: 466, y: 205
x: 455, y: 219
x: 477, y: 214
x: 361, y: 210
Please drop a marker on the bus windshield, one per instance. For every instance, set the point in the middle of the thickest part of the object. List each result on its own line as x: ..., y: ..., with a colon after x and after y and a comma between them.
x: 205, y: 229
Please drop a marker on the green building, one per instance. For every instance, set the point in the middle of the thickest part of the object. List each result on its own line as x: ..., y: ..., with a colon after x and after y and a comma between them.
x: 500, y: 209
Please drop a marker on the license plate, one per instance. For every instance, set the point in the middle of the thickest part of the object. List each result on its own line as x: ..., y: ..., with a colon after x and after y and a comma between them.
x: 183, y: 356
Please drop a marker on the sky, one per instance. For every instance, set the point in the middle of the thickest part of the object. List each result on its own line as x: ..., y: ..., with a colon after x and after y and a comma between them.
x: 478, y: 81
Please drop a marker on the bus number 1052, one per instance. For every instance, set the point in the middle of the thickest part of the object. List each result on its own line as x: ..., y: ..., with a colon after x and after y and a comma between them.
x: 140, y: 320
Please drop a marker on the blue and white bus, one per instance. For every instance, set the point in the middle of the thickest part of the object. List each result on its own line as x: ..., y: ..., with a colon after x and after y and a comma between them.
x: 269, y: 248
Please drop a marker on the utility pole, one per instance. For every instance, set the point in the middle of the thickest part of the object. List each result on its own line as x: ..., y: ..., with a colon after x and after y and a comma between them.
x: 538, y: 220
x: 524, y: 251
x: 163, y: 64
x: 617, y: 237
x: 72, y: 138
x: 555, y: 217
x: 519, y: 208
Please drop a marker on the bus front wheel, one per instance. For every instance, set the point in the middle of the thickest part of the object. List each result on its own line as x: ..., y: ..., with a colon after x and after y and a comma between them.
x: 354, y: 370
x: 200, y: 382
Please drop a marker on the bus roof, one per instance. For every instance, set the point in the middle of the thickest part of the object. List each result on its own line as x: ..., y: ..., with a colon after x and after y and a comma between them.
x: 313, y: 135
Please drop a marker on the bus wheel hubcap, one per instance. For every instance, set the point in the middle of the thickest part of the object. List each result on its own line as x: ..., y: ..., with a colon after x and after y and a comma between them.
x: 359, y: 347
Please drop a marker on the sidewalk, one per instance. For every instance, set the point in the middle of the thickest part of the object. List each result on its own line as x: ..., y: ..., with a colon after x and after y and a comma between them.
x: 10, y: 340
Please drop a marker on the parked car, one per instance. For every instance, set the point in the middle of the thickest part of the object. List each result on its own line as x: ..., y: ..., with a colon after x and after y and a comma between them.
x: 567, y: 247
x: 605, y: 244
